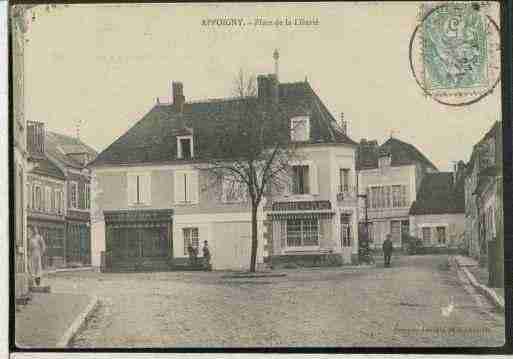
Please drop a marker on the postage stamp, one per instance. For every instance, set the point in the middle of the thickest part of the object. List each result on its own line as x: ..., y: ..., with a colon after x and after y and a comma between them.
x: 456, y: 50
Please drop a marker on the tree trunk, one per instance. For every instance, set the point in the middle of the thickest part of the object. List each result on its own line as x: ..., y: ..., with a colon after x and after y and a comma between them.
x: 254, y: 237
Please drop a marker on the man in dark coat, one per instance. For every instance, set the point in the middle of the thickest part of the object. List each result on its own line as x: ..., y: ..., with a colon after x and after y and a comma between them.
x: 387, y: 250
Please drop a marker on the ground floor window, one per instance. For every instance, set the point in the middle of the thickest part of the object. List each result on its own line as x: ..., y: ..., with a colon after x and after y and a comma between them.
x: 302, y: 232
x: 426, y: 235
x: 395, y: 231
x: 440, y: 233
x: 190, y: 236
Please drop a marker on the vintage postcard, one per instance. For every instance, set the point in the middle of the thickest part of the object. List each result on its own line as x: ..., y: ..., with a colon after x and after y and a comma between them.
x: 249, y: 175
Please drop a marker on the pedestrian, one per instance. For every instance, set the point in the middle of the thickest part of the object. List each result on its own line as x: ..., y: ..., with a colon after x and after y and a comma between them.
x: 206, y: 255
x: 37, y: 248
x: 387, y: 250
x: 193, y: 254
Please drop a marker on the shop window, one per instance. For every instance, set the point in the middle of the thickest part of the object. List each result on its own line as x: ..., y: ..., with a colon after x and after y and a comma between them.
x: 302, y: 232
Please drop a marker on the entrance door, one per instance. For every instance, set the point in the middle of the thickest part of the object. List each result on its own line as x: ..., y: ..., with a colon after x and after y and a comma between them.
x: 346, y: 237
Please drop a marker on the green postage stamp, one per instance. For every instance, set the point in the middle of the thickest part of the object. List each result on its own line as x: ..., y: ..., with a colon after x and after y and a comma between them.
x: 454, y: 51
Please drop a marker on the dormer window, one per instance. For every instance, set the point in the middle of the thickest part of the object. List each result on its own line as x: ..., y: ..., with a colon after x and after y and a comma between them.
x: 300, y: 129
x: 185, y: 147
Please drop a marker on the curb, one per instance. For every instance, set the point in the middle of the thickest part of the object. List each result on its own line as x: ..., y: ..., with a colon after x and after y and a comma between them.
x: 484, y: 290
x: 61, y: 270
x: 77, y: 323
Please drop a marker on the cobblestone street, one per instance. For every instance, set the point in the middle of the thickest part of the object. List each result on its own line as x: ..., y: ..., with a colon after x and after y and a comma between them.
x: 420, y: 301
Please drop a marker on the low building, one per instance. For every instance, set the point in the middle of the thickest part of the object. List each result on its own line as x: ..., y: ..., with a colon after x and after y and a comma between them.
x: 389, y: 177
x: 437, y: 216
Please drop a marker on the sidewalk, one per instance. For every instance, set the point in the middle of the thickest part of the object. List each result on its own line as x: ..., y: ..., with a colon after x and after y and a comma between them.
x: 50, y: 320
x: 478, y: 277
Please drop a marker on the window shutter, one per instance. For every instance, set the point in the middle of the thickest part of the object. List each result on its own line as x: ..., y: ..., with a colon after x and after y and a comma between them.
x: 193, y: 187
x: 289, y: 179
x: 131, y: 189
x: 179, y: 187
x: 314, y: 185
x: 145, y: 185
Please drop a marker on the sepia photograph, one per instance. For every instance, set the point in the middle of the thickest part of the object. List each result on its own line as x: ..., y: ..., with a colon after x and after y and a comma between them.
x: 257, y: 175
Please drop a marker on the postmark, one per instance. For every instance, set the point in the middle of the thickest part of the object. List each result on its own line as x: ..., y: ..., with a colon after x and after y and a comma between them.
x: 455, y: 52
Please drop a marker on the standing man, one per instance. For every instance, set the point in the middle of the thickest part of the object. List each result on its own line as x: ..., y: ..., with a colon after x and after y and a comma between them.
x: 387, y: 250
x: 206, y: 255
x: 37, y: 248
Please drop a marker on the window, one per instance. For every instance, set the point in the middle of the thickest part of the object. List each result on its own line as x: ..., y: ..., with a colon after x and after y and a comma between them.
x: 139, y: 188
x: 233, y: 190
x: 302, y: 232
x: 87, y: 195
x: 38, y: 198
x: 52, y: 195
x: 440, y: 233
x: 344, y: 180
x: 185, y: 147
x: 396, y: 196
x: 73, y: 195
x: 190, y: 236
x: 48, y: 199
x: 300, y: 179
x: 426, y: 235
x: 300, y: 129
x: 395, y: 231
x: 371, y: 232
x: 345, y: 230
x: 186, y: 187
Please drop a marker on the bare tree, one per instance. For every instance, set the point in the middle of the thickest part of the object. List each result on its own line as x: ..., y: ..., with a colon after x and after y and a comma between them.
x: 251, y: 151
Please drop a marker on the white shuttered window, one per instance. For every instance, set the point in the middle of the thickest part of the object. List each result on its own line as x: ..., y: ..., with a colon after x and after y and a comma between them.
x: 139, y: 188
x: 186, y: 187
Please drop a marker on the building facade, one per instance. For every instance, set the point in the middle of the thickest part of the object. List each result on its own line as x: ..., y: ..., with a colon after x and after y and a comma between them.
x: 46, y: 210
x: 152, y: 196
x: 71, y: 156
x: 27, y: 150
x: 484, y: 208
x: 389, y: 177
x: 437, y: 216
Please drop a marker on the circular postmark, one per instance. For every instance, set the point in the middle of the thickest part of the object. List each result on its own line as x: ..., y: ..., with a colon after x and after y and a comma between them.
x: 454, y: 52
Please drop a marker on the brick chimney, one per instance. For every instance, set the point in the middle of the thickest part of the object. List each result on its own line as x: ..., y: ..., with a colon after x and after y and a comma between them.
x: 178, y: 97
x: 343, y: 124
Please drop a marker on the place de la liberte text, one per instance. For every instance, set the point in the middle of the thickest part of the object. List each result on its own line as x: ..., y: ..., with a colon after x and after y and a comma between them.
x: 240, y: 22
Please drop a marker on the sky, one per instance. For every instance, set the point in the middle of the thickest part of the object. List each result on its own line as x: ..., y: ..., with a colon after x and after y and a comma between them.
x: 104, y: 66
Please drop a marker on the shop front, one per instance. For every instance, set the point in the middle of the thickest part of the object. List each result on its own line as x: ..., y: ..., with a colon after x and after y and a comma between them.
x: 138, y: 240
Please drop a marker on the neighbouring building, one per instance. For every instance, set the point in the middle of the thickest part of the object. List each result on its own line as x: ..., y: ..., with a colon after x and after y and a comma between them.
x: 71, y: 156
x: 27, y: 150
x: 485, y: 203
x: 389, y: 176
x: 437, y: 216
x: 151, y: 199
x: 46, y: 210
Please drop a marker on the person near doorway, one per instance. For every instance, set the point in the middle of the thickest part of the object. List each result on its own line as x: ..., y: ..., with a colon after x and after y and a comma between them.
x: 206, y: 255
x: 37, y: 248
x: 387, y: 250
x: 193, y: 254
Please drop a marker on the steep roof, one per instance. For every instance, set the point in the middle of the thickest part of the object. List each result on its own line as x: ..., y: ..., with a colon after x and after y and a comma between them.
x: 46, y: 167
x: 439, y: 195
x: 58, y: 146
x: 491, y: 133
x: 402, y: 153
x: 152, y: 139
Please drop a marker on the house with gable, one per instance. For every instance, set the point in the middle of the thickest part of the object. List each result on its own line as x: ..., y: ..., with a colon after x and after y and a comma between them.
x: 437, y: 216
x: 151, y: 198
x: 389, y: 178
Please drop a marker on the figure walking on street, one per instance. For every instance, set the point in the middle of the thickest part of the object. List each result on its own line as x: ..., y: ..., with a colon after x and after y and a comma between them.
x: 387, y: 250
x: 37, y: 248
x: 206, y: 255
